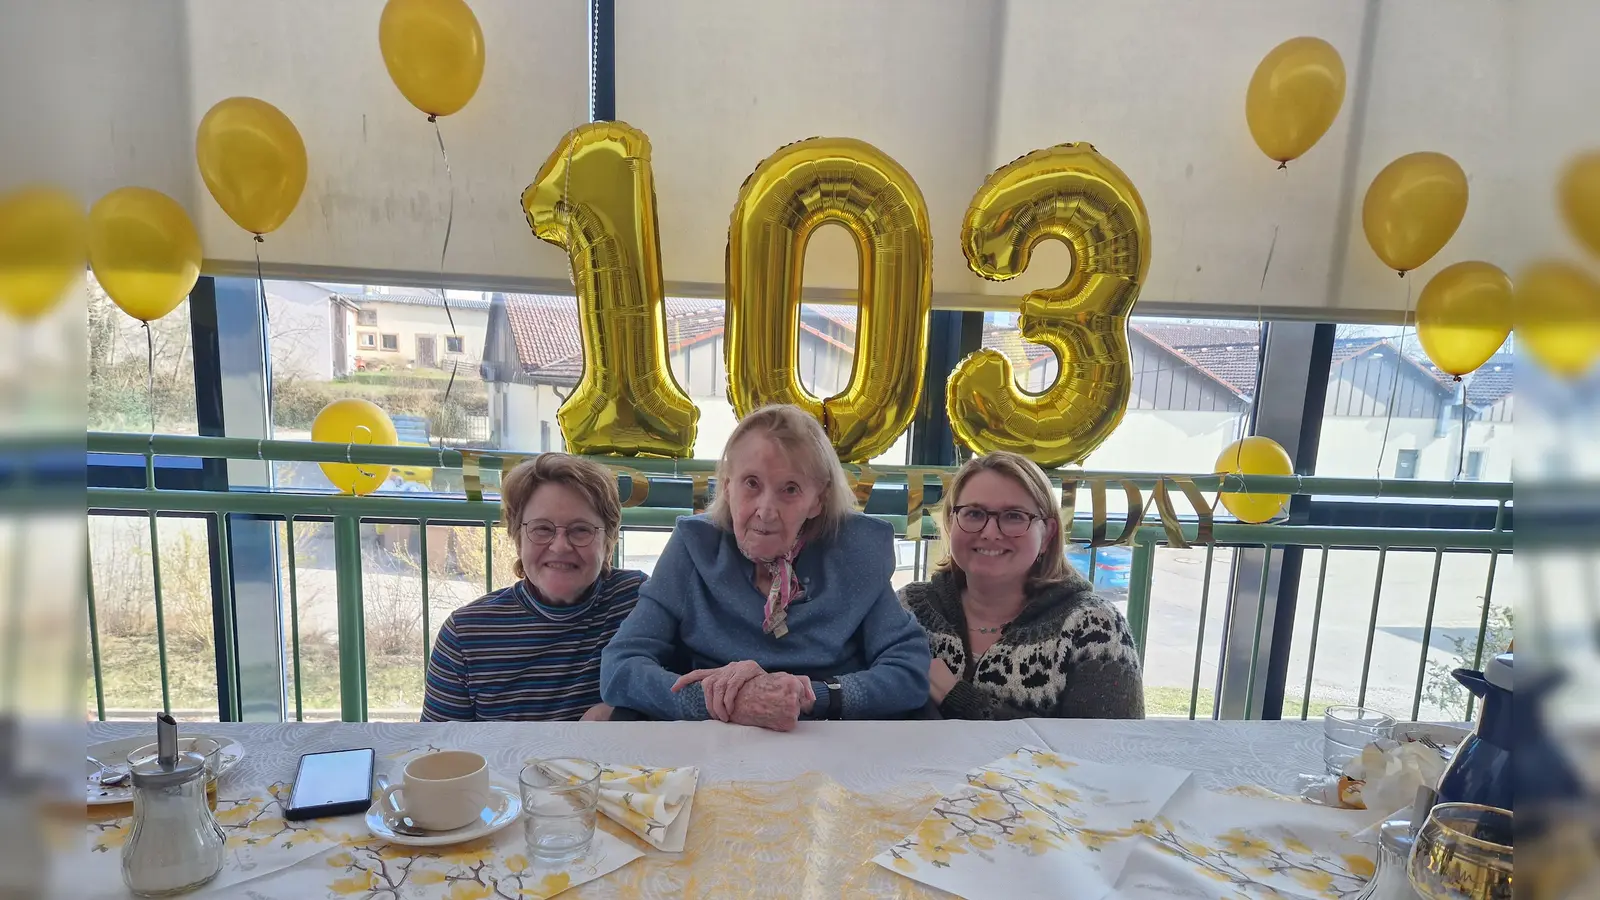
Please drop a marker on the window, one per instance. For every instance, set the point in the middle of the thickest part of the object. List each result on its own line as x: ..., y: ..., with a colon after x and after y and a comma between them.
x: 1192, y: 386
x: 367, y: 317
x: 454, y: 344
x: 1384, y: 394
x: 1473, y: 471
x: 121, y: 388
x: 313, y: 366
x: 1405, y: 464
x: 544, y: 436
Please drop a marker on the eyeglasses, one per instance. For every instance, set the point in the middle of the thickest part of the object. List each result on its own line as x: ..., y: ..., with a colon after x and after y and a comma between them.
x: 580, y: 534
x: 1013, y: 522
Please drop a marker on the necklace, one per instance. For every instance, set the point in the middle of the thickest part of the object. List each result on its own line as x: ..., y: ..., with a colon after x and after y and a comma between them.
x: 981, y: 630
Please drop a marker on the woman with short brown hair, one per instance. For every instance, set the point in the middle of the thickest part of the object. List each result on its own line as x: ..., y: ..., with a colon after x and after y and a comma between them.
x: 532, y: 650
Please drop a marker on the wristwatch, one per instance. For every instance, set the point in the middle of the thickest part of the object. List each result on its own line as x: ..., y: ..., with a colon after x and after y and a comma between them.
x: 835, y: 698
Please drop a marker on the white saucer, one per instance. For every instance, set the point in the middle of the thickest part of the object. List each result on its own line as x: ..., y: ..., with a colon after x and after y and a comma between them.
x: 504, y: 807
x: 115, y: 754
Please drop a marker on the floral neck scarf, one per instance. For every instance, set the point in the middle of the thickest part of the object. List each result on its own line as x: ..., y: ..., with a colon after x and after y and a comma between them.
x: 785, y: 588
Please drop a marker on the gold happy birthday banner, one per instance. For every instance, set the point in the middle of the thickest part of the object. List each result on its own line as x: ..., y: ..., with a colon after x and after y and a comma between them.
x: 864, y: 480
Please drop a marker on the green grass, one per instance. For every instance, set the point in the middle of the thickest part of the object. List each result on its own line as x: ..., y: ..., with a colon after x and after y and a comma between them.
x: 1174, y: 701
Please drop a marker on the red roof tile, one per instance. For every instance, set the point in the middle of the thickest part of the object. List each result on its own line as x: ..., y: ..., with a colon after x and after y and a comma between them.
x: 549, y: 342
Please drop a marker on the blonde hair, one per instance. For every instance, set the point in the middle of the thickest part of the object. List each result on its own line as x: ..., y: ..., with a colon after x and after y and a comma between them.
x: 1051, y: 567
x: 808, y: 449
x: 592, y: 481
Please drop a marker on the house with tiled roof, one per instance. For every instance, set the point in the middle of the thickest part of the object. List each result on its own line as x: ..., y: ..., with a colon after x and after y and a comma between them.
x: 533, y: 357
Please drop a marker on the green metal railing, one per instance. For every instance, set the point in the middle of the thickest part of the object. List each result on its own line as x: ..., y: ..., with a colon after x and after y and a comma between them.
x: 347, y: 514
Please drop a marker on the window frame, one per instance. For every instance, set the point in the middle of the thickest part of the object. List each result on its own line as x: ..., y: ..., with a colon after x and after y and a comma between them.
x: 384, y: 340
x: 366, y: 318
x: 363, y: 338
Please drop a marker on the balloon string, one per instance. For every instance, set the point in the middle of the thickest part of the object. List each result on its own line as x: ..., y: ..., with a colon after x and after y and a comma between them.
x: 1394, y: 385
x: 449, y: 225
x: 261, y: 285
x: 1461, y: 459
x: 150, y: 386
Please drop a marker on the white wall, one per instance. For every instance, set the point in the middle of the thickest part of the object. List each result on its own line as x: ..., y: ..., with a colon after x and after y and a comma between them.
x: 1350, y: 446
x: 103, y: 93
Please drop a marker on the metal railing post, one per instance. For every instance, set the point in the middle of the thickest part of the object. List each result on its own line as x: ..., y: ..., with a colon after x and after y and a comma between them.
x: 352, y: 619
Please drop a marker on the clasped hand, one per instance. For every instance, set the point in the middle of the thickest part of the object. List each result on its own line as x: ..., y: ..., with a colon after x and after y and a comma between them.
x: 745, y: 694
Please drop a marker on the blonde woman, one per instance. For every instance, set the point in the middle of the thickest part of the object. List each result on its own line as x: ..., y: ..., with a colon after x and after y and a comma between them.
x: 1015, y: 631
x: 776, y: 603
x: 531, y: 651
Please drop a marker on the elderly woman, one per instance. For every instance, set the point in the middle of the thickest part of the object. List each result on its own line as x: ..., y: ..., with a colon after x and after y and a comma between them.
x: 1015, y: 631
x: 778, y: 598
x: 532, y: 650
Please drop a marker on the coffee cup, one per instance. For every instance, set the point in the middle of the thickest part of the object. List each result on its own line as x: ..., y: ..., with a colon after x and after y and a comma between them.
x: 441, y: 791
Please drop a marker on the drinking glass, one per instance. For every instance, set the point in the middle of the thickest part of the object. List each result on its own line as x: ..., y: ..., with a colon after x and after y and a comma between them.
x: 559, y: 799
x: 1347, y: 730
x: 1463, y: 852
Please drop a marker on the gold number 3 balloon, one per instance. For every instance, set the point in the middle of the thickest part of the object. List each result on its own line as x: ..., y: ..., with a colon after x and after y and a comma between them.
x: 595, y: 197
x: 1072, y: 193
x: 801, y: 187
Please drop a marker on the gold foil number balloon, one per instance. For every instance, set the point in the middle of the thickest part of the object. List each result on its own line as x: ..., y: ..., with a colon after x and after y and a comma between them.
x: 1294, y: 96
x: 1464, y: 315
x: 1072, y: 193
x: 595, y: 197
x: 803, y: 186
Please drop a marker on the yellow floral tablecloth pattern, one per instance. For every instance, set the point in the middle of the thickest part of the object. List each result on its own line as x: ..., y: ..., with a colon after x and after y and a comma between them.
x: 1027, y: 824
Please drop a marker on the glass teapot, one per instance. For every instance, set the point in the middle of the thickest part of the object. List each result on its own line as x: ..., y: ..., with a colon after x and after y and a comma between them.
x: 174, y: 844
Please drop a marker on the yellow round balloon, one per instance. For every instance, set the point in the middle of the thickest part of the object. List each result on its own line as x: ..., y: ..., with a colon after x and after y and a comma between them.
x: 1464, y: 315
x: 1254, y: 455
x: 42, y: 249
x: 354, y: 421
x: 1294, y: 96
x: 1580, y: 199
x: 1413, y: 208
x: 144, y: 251
x: 433, y: 50
x: 253, y: 161
x: 1558, y: 317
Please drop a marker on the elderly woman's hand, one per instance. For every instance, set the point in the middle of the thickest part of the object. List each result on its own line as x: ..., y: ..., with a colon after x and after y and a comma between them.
x: 774, y: 701
x: 721, y: 685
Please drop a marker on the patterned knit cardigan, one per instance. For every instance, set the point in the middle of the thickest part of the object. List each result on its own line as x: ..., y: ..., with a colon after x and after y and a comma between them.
x: 1068, y: 655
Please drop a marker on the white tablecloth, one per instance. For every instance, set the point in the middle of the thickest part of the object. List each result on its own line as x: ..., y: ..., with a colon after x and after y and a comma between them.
x: 843, y: 763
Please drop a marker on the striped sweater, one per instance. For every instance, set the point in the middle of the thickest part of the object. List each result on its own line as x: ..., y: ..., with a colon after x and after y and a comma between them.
x: 509, y: 656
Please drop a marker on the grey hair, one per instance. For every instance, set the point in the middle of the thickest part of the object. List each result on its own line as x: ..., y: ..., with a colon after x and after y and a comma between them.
x: 808, y: 448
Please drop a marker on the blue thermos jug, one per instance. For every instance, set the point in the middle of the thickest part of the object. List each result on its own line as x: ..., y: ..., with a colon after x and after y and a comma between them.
x: 1483, y: 769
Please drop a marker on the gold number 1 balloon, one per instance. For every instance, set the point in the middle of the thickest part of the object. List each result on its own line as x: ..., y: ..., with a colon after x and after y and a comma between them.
x: 1072, y: 193
x: 805, y: 185
x: 595, y: 197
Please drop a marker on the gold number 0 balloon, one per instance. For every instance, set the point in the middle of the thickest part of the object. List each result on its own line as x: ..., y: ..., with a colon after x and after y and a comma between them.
x: 595, y: 197
x: 1072, y: 193
x: 805, y: 185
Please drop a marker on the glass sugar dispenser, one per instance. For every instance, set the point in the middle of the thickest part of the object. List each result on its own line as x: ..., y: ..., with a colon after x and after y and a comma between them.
x: 174, y: 844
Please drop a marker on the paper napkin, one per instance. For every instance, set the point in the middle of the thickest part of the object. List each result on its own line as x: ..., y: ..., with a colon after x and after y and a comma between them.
x: 650, y: 802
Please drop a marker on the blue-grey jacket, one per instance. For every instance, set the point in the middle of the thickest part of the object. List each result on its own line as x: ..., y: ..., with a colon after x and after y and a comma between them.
x: 700, y: 609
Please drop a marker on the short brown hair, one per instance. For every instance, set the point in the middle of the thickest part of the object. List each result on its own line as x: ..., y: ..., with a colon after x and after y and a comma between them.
x: 808, y: 447
x: 1051, y: 567
x: 595, y: 482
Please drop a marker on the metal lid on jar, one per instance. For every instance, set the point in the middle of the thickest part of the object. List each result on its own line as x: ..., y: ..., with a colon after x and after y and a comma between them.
x: 158, y: 772
x: 169, y: 767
